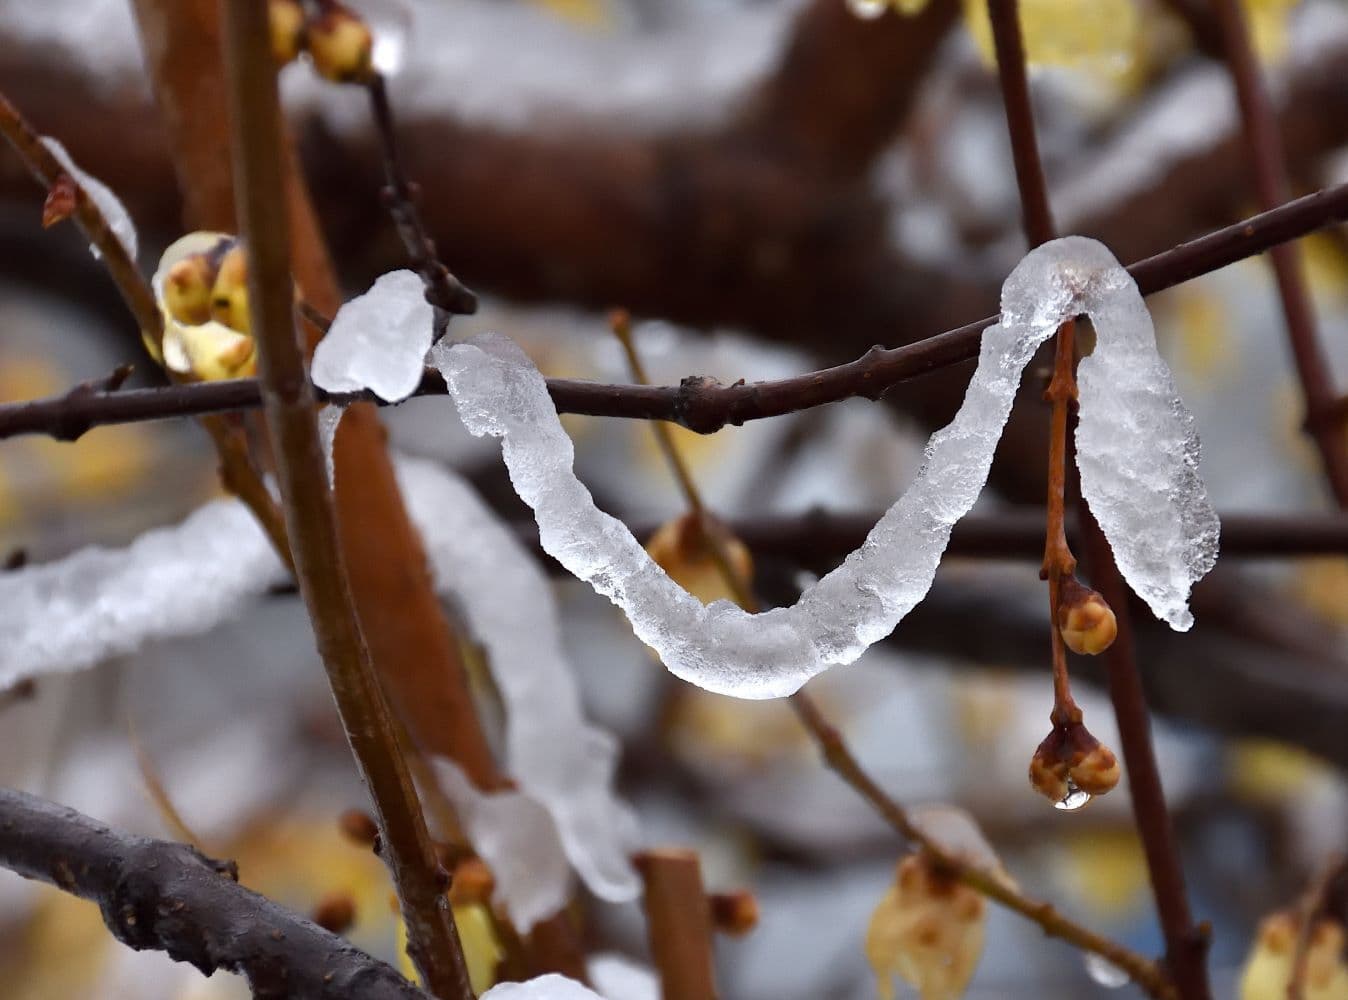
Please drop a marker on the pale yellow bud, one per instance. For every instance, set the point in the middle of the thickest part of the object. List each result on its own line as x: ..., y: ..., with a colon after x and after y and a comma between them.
x: 1071, y: 766
x: 1268, y: 970
x: 287, y: 29
x: 928, y: 930
x: 229, y: 294
x: 341, y: 46
x: 1085, y: 620
x: 1097, y: 772
x: 187, y: 289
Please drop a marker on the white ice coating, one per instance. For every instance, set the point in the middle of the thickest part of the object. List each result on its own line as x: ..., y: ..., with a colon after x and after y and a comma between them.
x: 516, y: 837
x: 553, y: 754
x: 549, y: 987
x: 100, y: 602
x: 1141, y: 481
x: 372, y: 336
x: 114, y: 212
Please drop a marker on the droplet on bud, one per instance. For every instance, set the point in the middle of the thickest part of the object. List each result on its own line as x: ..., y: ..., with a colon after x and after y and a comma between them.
x: 1074, y: 798
x: 868, y: 10
x: 1105, y: 972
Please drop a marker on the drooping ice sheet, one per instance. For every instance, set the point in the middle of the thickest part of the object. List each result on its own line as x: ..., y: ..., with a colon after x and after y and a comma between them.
x: 114, y: 212
x: 549, y: 987
x: 1138, y: 456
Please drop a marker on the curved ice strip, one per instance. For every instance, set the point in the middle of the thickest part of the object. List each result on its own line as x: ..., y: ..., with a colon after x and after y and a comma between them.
x: 99, y: 602
x: 114, y: 212
x: 724, y: 649
x: 554, y: 755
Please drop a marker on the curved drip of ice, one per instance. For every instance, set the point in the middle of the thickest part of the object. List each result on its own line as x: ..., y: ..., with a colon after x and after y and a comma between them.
x: 1138, y: 468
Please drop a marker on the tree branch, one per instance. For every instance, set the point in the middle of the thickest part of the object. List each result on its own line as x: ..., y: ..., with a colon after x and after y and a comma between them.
x: 162, y: 896
x: 701, y: 404
x: 433, y: 941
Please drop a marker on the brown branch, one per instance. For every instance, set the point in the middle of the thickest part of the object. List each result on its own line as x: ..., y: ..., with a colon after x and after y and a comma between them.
x: 700, y: 404
x: 161, y: 896
x: 678, y: 923
x: 1264, y: 148
x: 1186, y: 945
x: 843, y: 86
x: 433, y: 941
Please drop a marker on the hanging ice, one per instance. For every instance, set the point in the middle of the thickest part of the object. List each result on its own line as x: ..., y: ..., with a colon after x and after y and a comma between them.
x: 374, y: 337
x: 114, y: 212
x: 549, y: 987
x: 553, y: 754
x: 516, y: 837
x: 101, y: 602
x: 1139, y: 471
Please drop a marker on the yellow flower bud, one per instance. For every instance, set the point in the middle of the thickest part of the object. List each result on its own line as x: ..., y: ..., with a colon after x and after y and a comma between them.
x: 229, y: 294
x: 682, y: 550
x: 341, y: 46
x: 187, y: 289
x: 928, y: 930
x: 1097, y: 772
x: 1085, y: 620
x: 1268, y: 970
x: 287, y: 29
x: 1071, y: 766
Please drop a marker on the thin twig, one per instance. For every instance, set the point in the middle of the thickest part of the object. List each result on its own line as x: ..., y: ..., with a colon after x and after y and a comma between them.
x: 169, y: 897
x: 255, y: 123
x: 1263, y: 143
x: 1185, y: 944
x: 704, y: 405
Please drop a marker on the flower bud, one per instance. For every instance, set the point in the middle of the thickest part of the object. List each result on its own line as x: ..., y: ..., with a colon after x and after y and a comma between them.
x: 335, y: 912
x: 358, y: 827
x: 682, y: 549
x: 341, y: 46
x: 1269, y: 968
x: 928, y: 930
x: 1085, y: 620
x: 187, y: 289
x: 286, y: 19
x: 734, y: 913
x: 229, y: 294
x: 1071, y: 766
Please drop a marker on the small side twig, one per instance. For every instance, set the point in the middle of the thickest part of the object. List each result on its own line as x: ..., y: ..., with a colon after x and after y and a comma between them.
x: 1186, y: 945
x: 433, y: 941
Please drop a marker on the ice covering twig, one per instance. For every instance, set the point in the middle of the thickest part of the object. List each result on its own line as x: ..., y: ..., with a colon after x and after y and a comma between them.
x: 1129, y: 411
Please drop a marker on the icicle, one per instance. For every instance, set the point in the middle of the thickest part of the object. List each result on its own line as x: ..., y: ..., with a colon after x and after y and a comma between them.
x: 517, y: 839
x: 114, y: 212
x: 1163, y: 546
x: 552, y: 753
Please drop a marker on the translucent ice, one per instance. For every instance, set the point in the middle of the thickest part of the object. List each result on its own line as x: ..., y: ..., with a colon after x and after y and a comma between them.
x: 101, y: 602
x: 1138, y: 470
x: 377, y: 340
x: 114, y: 212
x: 549, y: 987
x: 617, y: 977
x: 516, y: 837
x: 553, y: 754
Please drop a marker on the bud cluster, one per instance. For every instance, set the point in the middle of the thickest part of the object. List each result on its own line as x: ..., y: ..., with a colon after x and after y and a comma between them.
x: 339, y: 43
x: 1071, y: 766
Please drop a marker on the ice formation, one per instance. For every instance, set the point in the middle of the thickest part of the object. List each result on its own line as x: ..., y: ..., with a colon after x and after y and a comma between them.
x: 114, y: 212
x: 517, y: 839
x: 373, y: 335
x: 553, y: 754
x: 101, y: 602
x: 619, y: 978
x: 549, y: 987
x: 1138, y: 463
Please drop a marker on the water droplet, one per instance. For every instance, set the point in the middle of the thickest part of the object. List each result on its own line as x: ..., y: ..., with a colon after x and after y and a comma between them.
x: 1105, y: 972
x: 1074, y: 799
x: 867, y: 10
x: 390, y: 21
